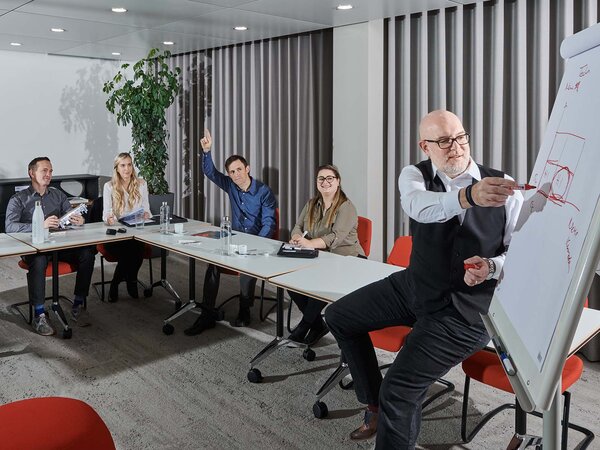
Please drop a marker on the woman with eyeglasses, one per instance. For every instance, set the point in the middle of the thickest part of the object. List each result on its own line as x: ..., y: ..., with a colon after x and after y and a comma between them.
x: 327, y: 222
x: 122, y: 195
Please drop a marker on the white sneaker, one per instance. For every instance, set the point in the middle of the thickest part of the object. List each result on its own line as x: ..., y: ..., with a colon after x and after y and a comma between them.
x: 41, y: 325
x: 80, y: 316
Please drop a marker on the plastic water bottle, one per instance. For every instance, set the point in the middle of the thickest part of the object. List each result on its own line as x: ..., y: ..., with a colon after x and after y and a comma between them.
x: 165, y: 218
x: 37, y: 224
x: 225, y: 235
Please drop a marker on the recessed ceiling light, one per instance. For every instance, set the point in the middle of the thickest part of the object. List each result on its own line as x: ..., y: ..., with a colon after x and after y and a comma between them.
x: 119, y: 10
x: 240, y: 28
x: 116, y: 54
x: 57, y: 30
x: 15, y: 44
x: 343, y: 7
x: 169, y: 43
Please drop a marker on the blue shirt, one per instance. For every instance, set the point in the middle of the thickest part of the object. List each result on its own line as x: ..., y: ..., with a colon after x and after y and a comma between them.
x: 253, y: 211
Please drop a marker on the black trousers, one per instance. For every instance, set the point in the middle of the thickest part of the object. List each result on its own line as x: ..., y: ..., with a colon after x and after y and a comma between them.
x: 211, y: 288
x: 130, y: 255
x: 437, y: 342
x: 84, y: 257
x: 310, y: 307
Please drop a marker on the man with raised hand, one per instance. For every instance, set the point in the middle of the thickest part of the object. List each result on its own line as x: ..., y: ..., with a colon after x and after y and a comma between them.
x: 252, y: 211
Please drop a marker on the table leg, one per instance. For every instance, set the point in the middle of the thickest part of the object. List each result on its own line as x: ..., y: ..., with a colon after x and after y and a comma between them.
x: 56, y: 308
x: 163, y: 282
x: 168, y: 329
x: 254, y: 375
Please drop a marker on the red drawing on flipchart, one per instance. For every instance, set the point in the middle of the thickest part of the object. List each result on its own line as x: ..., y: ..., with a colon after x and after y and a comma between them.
x: 559, y: 171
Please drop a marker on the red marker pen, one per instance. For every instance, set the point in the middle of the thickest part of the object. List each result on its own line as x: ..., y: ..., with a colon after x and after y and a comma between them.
x: 470, y: 266
x: 524, y: 187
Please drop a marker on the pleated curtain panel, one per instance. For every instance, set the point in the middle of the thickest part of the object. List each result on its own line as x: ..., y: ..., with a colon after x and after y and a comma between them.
x: 269, y: 101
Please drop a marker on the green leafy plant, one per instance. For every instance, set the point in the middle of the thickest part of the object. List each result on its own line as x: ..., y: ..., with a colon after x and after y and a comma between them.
x: 142, y: 102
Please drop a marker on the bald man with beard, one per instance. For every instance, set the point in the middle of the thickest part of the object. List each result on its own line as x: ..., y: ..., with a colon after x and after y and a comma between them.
x: 460, y: 213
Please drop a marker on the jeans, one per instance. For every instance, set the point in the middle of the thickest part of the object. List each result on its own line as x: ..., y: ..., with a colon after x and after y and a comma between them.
x: 83, y: 257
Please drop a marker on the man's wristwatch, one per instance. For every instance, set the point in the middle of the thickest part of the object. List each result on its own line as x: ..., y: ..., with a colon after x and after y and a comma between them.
x: 492, y: 267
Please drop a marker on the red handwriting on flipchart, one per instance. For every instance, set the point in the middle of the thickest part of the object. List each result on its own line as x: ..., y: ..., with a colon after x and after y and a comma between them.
x: 573, y: 232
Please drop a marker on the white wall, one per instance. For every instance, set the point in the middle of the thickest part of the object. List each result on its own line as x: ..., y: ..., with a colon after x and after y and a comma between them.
x: 358, y: 120
x: 54, y: 106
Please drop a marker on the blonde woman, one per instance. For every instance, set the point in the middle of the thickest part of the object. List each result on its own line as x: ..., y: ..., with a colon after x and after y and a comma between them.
x: 327, y: 222
x: 123, y: 194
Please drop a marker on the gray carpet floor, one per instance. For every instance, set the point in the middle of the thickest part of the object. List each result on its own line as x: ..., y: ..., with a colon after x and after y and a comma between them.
x: 178, y: 392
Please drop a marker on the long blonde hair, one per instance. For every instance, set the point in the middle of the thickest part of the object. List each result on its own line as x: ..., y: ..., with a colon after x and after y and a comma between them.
x: 132, y: 189
x: 339, y: 198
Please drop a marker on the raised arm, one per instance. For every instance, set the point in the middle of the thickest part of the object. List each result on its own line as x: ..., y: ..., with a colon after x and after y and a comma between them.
x: 208, y: 165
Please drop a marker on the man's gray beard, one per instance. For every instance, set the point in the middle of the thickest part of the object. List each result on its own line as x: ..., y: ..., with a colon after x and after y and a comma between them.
x: 455, y: 170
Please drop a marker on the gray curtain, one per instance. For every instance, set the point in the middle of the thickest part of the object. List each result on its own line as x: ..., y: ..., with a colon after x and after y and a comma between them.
x: 269, y: 101
x: 496, y: 64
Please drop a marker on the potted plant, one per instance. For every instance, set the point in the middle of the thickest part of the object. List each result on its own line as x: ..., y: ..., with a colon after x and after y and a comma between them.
x: 142, y: 102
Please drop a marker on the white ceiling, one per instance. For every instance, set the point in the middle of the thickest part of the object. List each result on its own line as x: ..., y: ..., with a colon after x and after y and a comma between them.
x: 93, y: 30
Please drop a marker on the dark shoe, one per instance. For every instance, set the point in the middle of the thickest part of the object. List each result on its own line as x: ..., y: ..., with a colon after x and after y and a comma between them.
x: 113, y: 292
x: 204, y: 322
x: 298, y: 334
x: 368, y: 427
x: 243, y: 318
x: 132, y: 289
x: 316, y: 333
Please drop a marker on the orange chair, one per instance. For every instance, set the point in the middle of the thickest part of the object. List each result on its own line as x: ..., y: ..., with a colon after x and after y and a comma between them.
x: 68, y: 424
x: 485, y: 367
x: 364, y: 230
x: 64, y: 268
x: 390, y: 339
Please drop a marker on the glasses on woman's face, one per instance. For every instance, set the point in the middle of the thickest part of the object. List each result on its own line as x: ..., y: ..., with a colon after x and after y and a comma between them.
x: 330, y: 179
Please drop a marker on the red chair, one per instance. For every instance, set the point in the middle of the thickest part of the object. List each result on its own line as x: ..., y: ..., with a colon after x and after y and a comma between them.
x: 485, y: 367
x: 364, y: 230
x: 68, y: 424
x: 390, y: 339
x: 64, y: 268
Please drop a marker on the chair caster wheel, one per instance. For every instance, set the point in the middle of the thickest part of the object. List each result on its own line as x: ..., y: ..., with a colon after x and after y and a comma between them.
x: 220, y: 316
x: 168, y: 329
x: 309, y: 354
x: 254, y: 376
x: 148, y: 292
x: 67, y: 334
x: 320, y: 410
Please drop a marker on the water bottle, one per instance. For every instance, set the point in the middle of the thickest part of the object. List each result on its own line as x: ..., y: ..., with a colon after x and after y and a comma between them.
x: 225, y: 235
x: 165, y: 218
x: 37, y: 224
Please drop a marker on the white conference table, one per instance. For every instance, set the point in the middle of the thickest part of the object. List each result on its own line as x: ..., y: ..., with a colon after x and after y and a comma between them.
x: 330, y: 282
x: 264, y: 265
x: 10, y: 246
